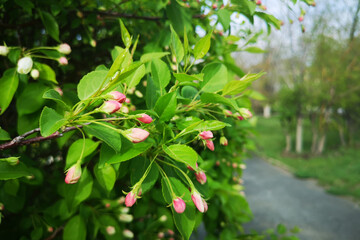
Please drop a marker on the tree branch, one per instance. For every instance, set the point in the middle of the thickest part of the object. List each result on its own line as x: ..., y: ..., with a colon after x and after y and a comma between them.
x: 19, y: 140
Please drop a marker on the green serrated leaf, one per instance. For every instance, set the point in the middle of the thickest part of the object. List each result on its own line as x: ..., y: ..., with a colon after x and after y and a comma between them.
x: 202, y: 46
x: 8, y: 85
x: 183, y: 77
x: 106, y: 176
x: 165, y: 106
x: 107, y: 134
x: 182, y: 153
x: 50, y: 121
x: 215, y: 77
x: 254, y: 50
x: 90, y: 84
x: 4, y: 135
x: 30, y: 100
x: 216, y: 98
x: 76, y: 148
x: 134, y: 79
x: 224, y: 18
x: 129, y: 151
x: 160, y: 74
x: 54, y: 95
x: 46, y: 72
x: 147, y: 57
x: 8, y: 171
x: 237, y: 86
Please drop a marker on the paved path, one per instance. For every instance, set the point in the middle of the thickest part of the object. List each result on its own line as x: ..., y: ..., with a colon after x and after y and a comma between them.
x: 277, y: 197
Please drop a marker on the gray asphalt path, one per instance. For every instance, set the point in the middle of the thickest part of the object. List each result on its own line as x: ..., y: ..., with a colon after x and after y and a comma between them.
x: 276, y: 197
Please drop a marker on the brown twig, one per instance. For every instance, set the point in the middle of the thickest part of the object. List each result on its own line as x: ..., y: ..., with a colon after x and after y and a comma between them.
x: 19, y: 140
x: 53, y: 235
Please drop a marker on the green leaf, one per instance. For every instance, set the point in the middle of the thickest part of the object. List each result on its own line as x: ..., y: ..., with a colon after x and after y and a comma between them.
x: 30, y: 100
x: 269, y: 19
x: 90, y: 84
x: 256, y: 95
x: 254, y: 50
x: 215, y: 77
x: 8, y: 85
x: 224, y: 18
x: 75, y: 229
x: 182, y: 153
x: 147, y: 57
x: 108, y: 135
x: 202, y: 46
x: 4, y: 135
x: 106, y: 176
x: 54, y: 95
x: 37, y: 233
x: 8, y: 171
x: 151, y: 94
x: 176, y: 45
x: 46, y: 72
x: 80, y: 191
x: 118, y: 63
x: 235, y: 69
x: 160, y: 74
x: 11, y: 187
x: 183, y: 77
x: 211, y: 125
x: 246, y: 7
x: 216, y: 98
x: 138, y: 167
x: 106, y: 220
x: 165, y: 106
x: 129, y: 151
x: 75, y: 149
x: 50, y: 121
x: 51, y: 26
x: 189, y: 92
x: 237, y: 86
x: 125, y: 35
x: 134, y: 79
x: 179, y: 17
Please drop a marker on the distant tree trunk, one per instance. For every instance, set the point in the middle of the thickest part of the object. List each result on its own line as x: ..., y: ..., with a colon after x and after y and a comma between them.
x: 321, y: 145
x: 341, y: 135
x: 267, y: 111
x: 299, y: 134
x: 355, y: 22
x: 314, y: 132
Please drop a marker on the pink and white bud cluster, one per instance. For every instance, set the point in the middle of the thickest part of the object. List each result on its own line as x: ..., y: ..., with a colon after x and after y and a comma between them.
x: 136, y: 135
x: 144, y: 118
x: 199, y: 202
x: 73, y: 174
x: 207, y: 135
x: 179, y: 205
x: 4, y: 50
x: 24, y: 65
x: 64, y: 48
x: 117, y: 96
x: 110, y: 106
x: 244, y: 114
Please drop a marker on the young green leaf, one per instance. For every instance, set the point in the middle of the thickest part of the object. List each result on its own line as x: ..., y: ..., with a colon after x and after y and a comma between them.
x: 134, y: 79
x: 106, y: 176
x: 46, y: 72
x: 165, y: 106
x: 90, y: 84
x: 8, y: 85
x: 51, y: 26
x: 54, y: 95
x: 30, y: 100
x: 107, y: 134
x: 76, y: 148
x: 215, y: 77
x: 176, y: 46
x: 147, y: 57
x: 183, y: 77
x: 4, y: 135
x: 126, y: 38
x: 160, y: 74
x: 202, y: 46
x: 8, y: 171
x: 237, y: 86
x: 216, y: 98
x: 50, y: 121
x: 224, y: 18
x: 182, y: 153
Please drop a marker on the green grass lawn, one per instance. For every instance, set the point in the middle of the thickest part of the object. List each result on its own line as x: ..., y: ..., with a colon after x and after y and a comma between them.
x: 338, y: 170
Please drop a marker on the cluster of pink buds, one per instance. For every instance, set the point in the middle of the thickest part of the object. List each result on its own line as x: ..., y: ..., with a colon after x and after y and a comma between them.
x: 73, y: 174
x: 199, y: 202
x: 207, y: 136
x: 110, y: 106
x: 179, y: 205
x: 199, y: 174
x: 117, y: 96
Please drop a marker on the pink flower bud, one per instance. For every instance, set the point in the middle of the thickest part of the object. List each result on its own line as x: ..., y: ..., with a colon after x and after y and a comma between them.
x: 63, y: 61
x: 206, y: 135
x: 59, y: 90
x: 201, y: 177
x: 223, y: 141
x: 242, y: 166
x: 107, y: 205
x: 130, y: 199
x: 170, y: 232
x: 227, y: 113
x: 145, y: 118
x: 126, y: 217
x: 110, y: 230
x: 258, y: 2
x: 50, y: 229
x: 24, y: 65
x: 73, y: 174
x: 127, y: 100
x: 136, y: 135
x: 1, y: 206
x: 217, y: 163
x: 205, y: 205
x: 128, y: 234
x: 110, y: 106
x: 4, y: 50
x: 190, y: 168
x: 214, y: 6
x: 125, y: 109
x: 210, y: 145
x: 234, y: 165
x: 198, y: 201
x: 240, y: 118
x: 93, y: 43
x: 121, y: 200
x: 161, y: 235
x: 35, y: 74
x: 301, y: 18
x: 64, y: 48
x: 179, y: 205
x: 245, y: 113
x: 117, y: 96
